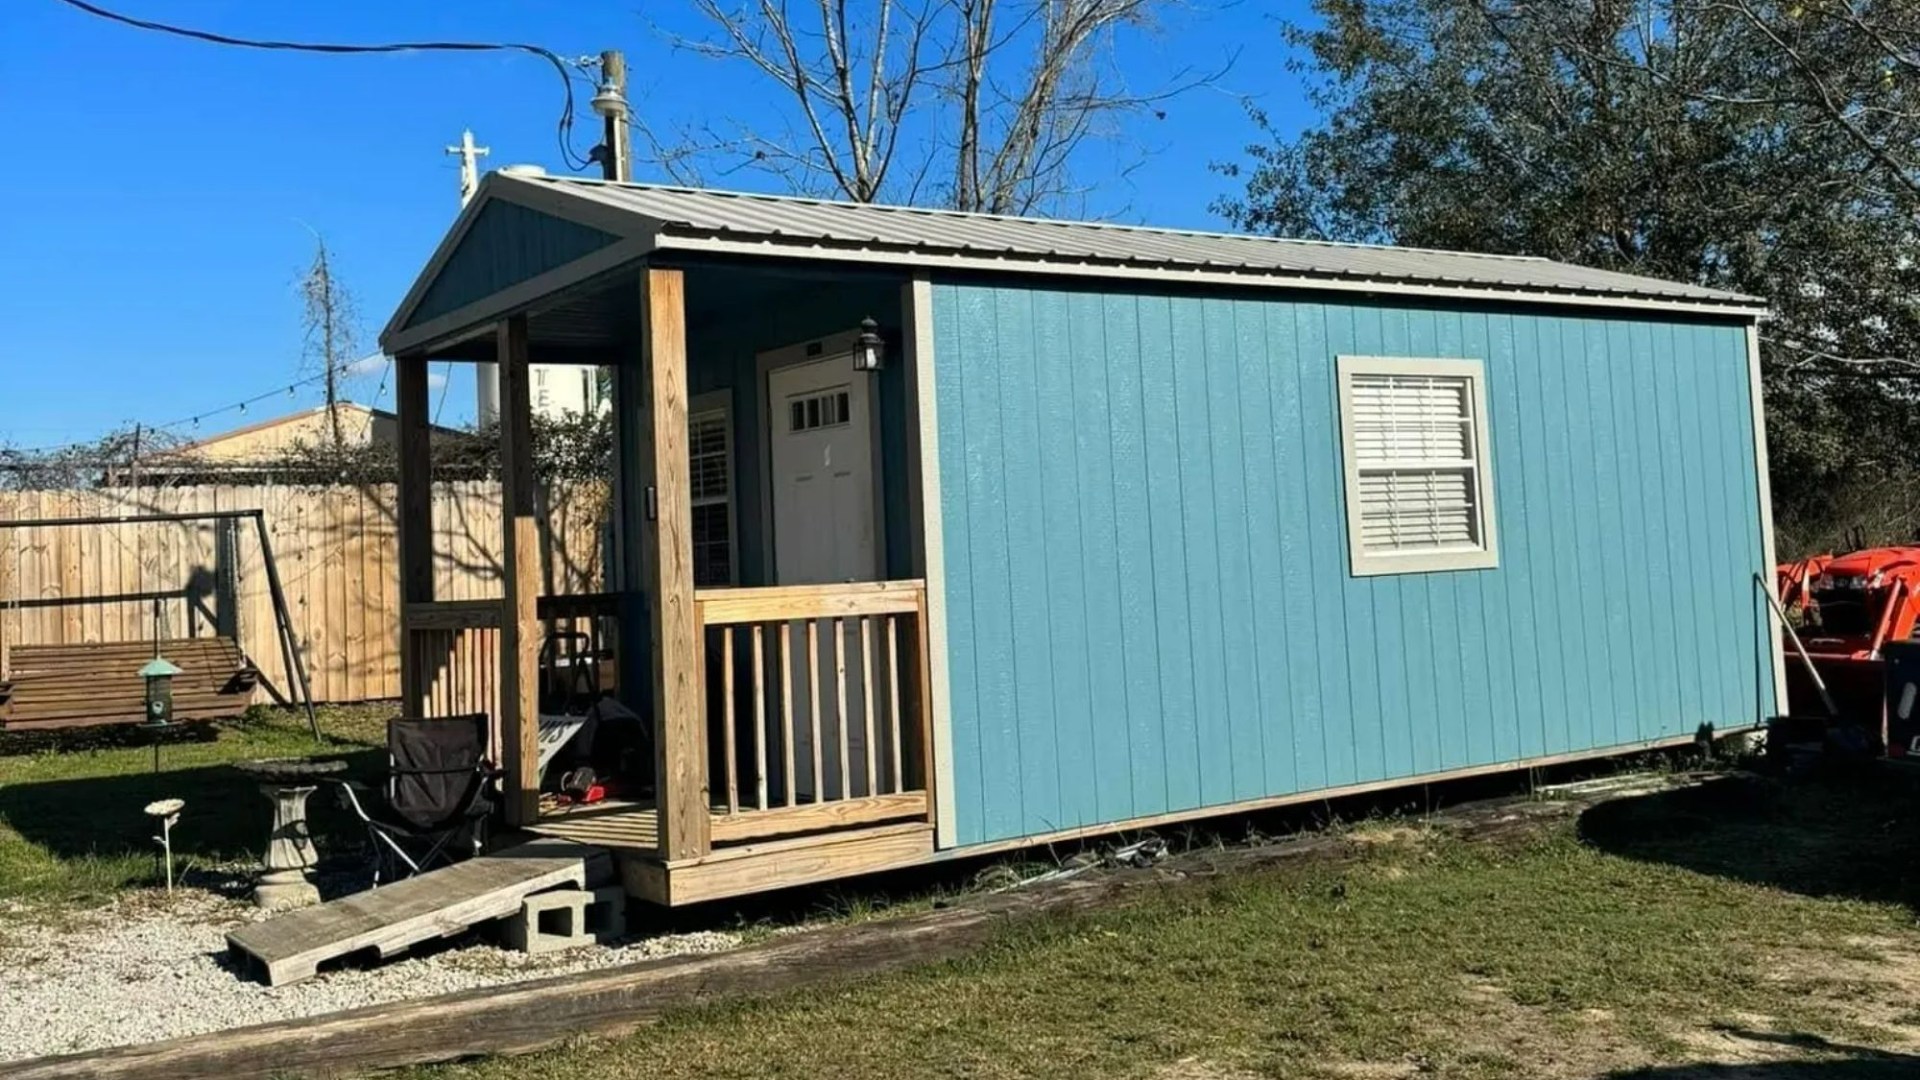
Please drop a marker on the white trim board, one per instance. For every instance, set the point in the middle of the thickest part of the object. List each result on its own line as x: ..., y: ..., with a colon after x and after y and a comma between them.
x: 917, y: 310
x: 819, y: 251
x: 1248, y: 806
x: 602, y: 197
x: 1768, y: 556
x: 1364, y: 563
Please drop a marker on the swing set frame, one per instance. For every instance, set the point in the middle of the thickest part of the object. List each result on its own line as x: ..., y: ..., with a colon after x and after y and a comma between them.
x: 283, y: 622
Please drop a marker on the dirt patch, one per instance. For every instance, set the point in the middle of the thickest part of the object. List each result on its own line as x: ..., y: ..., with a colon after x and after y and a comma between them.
x: 1872, y: 983
x: 1555, y: 1046
x: 1383, y: 834
x: 1373, y: 1071
x: 1194, y: 1068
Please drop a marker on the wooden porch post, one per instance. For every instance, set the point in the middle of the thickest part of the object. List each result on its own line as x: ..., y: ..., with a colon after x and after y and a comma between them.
x: 680, y: 743
x: 520, y: 563
x: 414, y: 518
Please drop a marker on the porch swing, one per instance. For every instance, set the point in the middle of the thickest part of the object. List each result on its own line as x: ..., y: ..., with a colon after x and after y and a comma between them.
x: 75, y: 684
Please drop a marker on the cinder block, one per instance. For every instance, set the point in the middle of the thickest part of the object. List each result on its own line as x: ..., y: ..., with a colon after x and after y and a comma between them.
x: 567, y: 919
x: 607, y: 914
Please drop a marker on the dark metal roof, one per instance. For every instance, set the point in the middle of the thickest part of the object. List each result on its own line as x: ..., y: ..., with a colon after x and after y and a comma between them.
x: 683, y: 218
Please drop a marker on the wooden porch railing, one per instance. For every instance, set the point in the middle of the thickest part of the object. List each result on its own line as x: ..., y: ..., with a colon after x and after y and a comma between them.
x: 582, y: 644
x: 454, y: 650
x: 816, y: 706
x: 453, y: 647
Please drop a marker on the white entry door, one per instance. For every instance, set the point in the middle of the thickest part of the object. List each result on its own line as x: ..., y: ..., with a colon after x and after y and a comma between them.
x: 825, y: 530
x: 824, y: 525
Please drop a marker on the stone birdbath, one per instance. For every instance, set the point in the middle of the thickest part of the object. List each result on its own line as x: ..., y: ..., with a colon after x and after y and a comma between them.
x: 286, y: 782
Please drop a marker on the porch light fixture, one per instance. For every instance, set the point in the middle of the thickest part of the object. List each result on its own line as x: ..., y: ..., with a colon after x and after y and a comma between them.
x: 869, y: 349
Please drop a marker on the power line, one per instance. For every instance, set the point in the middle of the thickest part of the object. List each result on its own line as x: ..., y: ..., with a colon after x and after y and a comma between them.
x: 194, y: 419
x: 573, y: 160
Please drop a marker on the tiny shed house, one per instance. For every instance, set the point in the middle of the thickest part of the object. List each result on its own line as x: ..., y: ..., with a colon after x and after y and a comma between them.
x: 1092, y: 527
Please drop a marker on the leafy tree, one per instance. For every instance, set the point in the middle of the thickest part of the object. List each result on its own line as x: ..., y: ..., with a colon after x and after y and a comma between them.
x: 1768, y: 148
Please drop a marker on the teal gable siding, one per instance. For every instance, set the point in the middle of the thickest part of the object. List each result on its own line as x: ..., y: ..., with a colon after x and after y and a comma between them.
x: 1149, y: 608
x: 506, y: 244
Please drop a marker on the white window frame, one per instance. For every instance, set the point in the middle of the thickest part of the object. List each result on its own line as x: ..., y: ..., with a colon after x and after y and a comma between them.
x: 703, y: 406
x: 1366, y: 563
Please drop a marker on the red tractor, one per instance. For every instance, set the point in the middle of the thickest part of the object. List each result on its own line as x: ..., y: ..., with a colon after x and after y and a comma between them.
x: 1850, y: 608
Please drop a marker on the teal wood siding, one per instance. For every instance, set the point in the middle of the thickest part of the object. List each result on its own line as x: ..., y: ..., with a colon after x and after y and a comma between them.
x: 506, y: 244
x: 1149, y: 607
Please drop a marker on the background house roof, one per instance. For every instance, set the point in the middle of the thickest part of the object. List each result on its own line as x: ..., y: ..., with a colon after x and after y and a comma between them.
x: 277, y: 435
x: 682, y: 217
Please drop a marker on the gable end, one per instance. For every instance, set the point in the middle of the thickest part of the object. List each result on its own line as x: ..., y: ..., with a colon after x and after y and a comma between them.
x: 507, y: 244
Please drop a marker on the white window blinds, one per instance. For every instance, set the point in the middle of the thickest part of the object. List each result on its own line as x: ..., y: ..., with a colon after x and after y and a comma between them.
x: 709, y: 447
x: 1416, y: 473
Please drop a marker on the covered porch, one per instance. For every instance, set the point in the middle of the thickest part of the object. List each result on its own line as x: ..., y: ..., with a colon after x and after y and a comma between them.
x: 766, y: 617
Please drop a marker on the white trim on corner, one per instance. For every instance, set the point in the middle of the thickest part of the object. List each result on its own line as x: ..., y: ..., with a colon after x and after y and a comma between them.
x: 917, y: 311
x: 1364, y: 563
x: 820, y: 251
x: 1768, y: 557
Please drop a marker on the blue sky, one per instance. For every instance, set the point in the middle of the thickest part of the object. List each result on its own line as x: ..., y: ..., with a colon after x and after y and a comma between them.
x: 155, y: 214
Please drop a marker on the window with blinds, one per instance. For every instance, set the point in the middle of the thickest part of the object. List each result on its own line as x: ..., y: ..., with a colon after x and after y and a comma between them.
x: 710, y: 449
x: 1414, y: 435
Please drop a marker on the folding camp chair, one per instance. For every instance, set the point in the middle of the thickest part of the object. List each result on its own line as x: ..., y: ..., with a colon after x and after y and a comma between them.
x: 437, y: 796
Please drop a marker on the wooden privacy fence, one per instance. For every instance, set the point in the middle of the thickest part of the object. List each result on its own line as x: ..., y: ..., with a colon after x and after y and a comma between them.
x: 338, y: 556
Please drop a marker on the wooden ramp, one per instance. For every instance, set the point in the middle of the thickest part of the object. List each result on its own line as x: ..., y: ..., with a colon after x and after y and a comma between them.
x: 393, y: 918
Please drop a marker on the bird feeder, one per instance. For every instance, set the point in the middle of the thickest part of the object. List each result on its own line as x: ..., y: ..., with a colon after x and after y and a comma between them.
x: 159, y: 674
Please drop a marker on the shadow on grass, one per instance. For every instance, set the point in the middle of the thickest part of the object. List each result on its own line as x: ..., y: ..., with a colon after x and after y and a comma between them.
x: 226, y: 816
x: 1838, y: 1062
x: 1849, y: 834
x: 108, y: 737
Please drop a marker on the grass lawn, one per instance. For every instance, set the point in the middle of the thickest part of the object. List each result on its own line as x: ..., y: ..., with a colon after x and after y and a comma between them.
x: 1747, y: 930
x: 71, y: 826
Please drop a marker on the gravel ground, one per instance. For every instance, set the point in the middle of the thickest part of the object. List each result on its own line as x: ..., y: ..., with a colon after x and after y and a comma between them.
x: 150, y: 967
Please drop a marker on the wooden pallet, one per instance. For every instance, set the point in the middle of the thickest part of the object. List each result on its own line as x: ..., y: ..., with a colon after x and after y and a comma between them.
x: 393, y: 918
x: 80, y: 685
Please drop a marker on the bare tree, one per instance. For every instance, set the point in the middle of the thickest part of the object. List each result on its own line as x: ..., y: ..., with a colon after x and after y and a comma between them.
x: 973, y: 104
x: 328, y: 315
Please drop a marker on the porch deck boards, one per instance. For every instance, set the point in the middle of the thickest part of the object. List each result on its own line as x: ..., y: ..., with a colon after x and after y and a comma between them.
x: 625, y: 825
x: 612, y: 824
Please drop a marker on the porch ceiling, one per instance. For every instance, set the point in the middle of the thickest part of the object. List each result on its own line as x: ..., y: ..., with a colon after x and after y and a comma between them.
x: 601, y: 319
